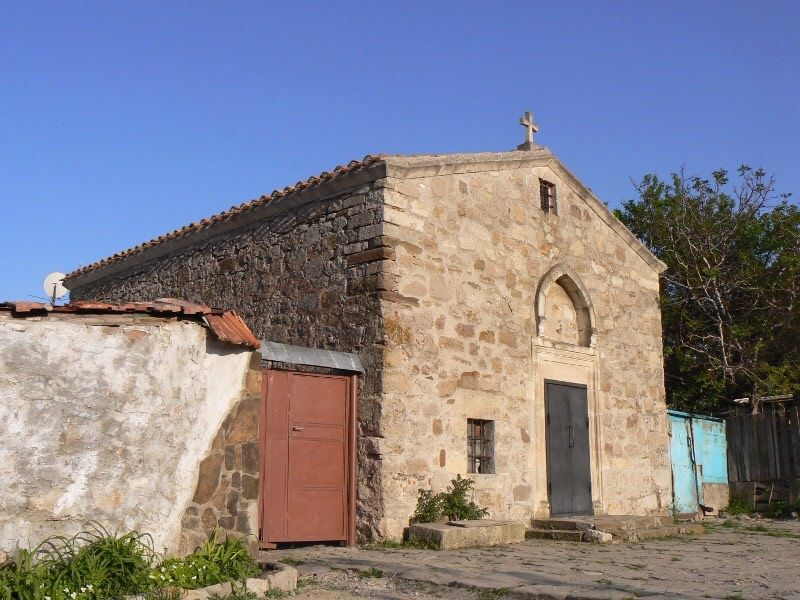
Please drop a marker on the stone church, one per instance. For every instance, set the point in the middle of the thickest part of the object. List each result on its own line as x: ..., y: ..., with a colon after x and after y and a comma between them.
x: 508, y: 325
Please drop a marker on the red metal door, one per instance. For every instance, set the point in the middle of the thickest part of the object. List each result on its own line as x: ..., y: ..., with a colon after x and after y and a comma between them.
x: 308, y: 459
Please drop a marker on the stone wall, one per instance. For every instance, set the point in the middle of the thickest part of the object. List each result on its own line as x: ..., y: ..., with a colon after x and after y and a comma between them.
x: 309, y: 275
x: 473, y: 246
x: 228, y: 483
x: 107, y: 418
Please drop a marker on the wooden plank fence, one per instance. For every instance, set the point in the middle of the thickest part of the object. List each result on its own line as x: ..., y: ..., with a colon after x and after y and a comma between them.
x: 764, y: 454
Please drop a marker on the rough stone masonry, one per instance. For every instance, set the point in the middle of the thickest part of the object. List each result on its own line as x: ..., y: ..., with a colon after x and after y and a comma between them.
x: 462, y: 295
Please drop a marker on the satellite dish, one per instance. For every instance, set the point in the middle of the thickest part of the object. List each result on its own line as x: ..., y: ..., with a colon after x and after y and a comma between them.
x: 54, y: 286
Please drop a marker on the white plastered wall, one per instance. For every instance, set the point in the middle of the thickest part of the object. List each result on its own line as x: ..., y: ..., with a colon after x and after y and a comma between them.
x: 107, y: 423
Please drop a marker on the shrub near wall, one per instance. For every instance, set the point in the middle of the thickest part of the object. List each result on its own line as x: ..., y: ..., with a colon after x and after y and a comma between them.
x: 95, y: 564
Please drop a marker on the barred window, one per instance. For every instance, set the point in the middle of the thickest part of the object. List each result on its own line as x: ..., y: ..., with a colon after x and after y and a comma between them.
x: 547, y: 195
x: 480, y: 446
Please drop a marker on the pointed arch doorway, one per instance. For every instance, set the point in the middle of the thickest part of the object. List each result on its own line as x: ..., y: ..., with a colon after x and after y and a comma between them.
x: 565, y: 410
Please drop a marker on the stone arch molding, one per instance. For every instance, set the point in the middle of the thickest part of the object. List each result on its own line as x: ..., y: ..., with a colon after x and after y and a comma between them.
x: 569, y: 280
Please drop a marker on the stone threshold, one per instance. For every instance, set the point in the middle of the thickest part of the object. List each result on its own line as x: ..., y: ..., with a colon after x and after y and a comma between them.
x: 609, y: 528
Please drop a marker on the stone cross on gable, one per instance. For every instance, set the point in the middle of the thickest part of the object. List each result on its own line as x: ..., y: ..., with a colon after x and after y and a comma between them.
x: 531, y: 128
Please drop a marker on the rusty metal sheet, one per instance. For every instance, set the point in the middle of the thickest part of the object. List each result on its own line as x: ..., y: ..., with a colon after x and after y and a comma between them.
x: 229, y: 327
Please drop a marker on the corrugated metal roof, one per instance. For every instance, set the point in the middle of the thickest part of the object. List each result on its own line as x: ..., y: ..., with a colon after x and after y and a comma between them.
x: 323, y: 177
x: 316, y: 357
x: 226, y: 325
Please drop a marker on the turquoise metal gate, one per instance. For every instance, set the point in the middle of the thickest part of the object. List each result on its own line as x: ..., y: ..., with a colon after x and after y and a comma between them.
x: 698, y: 450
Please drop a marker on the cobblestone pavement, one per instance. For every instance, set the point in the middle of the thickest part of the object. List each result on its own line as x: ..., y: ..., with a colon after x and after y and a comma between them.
x: 734, y: 560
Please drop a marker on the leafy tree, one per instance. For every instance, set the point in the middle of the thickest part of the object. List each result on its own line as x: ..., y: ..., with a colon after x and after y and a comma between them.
x: 729, y: 296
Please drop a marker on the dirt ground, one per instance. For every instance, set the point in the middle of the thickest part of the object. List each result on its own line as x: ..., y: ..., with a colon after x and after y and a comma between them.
x: 734, y: 560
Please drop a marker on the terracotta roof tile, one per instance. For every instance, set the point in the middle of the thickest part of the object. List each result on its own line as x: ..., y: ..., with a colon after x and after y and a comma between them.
x: 226, y: 325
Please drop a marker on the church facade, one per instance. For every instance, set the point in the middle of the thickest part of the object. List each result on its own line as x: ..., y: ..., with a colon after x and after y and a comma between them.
x: 507, y: 322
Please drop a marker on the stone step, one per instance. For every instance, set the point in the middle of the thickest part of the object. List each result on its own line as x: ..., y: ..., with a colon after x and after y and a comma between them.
x: 603, y: 522
x: 561, y: 524
x: 563, y: 535
x: 618, y: 534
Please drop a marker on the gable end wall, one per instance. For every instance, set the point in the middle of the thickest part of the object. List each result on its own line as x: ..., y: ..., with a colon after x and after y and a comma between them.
x: 472, y: 248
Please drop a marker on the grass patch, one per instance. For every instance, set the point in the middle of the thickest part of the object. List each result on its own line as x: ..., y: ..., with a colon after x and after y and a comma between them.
x: 371, y: 573
x: 605, y: 582
x: 731, y: 523
x: 236, y: 594
x: 783, y: 509
x: 778, y: 533
x: 490, y: 594
x: 292, y: 561
x: 413, y: 543
x: 738, y: 505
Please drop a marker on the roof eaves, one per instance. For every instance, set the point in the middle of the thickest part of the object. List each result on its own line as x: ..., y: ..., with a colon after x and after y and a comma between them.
x: 312, y: 183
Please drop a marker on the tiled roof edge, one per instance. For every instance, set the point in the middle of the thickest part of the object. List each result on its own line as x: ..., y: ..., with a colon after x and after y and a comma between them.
x: 234, y: 211
x: 226, y: 324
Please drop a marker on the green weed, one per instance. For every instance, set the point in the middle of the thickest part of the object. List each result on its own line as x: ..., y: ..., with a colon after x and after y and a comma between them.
x: 452, y: 504
x: 96, y: 564
x: 782, y: 509
x: 493, y: 593
x: 739, y: 505
x: 413, y: 542
x: 213, y: 562
x: 371, y: 573
x: 91, y: 565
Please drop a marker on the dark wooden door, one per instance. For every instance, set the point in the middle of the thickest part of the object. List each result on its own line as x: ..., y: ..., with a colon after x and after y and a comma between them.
x: 307, y: 460
x: 569, y: 479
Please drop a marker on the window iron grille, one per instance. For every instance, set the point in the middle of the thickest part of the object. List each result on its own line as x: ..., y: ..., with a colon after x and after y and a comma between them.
x: 547, y: 195
x: 480, y: 446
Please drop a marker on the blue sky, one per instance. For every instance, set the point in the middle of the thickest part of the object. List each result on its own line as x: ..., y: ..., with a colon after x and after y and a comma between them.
x: 121, y: 121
